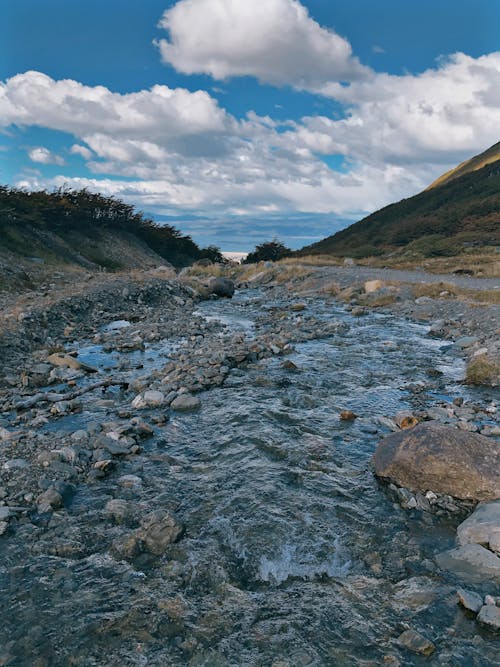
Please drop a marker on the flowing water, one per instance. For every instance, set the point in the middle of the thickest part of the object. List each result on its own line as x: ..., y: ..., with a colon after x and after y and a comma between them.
x: 292, y: 553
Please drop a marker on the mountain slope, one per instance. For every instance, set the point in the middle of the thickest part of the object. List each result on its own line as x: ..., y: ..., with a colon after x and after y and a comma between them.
x: 490, y: 155
x: 460, y: 210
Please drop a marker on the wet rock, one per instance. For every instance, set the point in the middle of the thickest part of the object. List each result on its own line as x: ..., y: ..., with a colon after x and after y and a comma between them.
x: 158, y: 530
x: 129, y: 481
x: 490, y: 617
x: 222, y: 287
x: 441, y: 459
x: 481, y: 526
x: 472, y: 561
x: 4, y: 513
x: 470, y: 600
x: 16, y: 464
x: 50, y: 499
x: 154, y: 399
x: 127, y: 547
x: 405, y: 420
x: 4, y: 527
x: 348, y: 415
x: 415, y: 642
x: 185, y: 403
x: 120, y: 510
x: 67, y: 361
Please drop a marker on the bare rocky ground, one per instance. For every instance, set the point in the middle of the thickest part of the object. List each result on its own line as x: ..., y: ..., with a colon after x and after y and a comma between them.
x: 45, y: 376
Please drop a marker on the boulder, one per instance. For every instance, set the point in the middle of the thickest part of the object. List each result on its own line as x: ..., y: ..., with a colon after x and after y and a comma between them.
x: 433, y: 457
x: 472, y: 561
x: 482, y: 526
x: 221, y: 287
x: 470, y: 600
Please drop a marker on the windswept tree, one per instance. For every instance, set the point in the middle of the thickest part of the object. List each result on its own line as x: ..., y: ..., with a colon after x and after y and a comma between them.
x: 270, y: 251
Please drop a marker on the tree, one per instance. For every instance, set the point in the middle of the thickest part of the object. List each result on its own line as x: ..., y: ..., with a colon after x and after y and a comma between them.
x: 270, y: 251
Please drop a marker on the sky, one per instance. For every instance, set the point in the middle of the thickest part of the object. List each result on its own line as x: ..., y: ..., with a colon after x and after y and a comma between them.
x: 240, y: 121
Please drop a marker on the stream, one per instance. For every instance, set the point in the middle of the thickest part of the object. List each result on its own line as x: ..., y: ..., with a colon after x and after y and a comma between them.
x: 292, y: 553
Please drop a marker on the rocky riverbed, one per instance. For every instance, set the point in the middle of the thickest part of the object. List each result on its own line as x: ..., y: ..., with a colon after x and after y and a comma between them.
x: 188, y: 480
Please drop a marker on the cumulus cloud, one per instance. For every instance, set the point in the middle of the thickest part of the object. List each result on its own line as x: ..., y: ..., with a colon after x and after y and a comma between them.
x: 438, y: 116
x: 44, y: 156
x: 160, y: 114
x: 275, y: 41
x: 83, y: 151
x: 170, y: 150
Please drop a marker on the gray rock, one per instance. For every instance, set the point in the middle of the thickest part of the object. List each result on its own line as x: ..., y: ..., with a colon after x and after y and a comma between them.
x: 433, y: 457
x: 15, y: 464
x: 154, y: 399
x: 185, y: 402
x: 50, y: 499
x: 4, y: 513
x: 472, y: 561
x: 482, y: 524
x: 490, y: 616
x: 470, y: 600
x: 4, y: 527
x: 221, y: 287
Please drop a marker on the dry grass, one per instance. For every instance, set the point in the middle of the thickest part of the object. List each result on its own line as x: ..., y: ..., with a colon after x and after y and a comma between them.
x: 448, y: 291
x: 483, y: 370
x: 482, y: 265
x: 314, y: 260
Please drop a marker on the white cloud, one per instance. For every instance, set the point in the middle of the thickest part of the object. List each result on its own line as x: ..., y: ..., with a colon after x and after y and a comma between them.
x: 83, y: 151
x: 275, y: 41
x: 438, y: 116
x: 44, y: 156
x: 172, y: 150
x: 160, y: 114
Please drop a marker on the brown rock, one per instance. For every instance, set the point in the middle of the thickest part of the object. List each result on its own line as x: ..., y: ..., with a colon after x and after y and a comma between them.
x: 348, y: 415
x: 416, y: 642
x: 432, y: 457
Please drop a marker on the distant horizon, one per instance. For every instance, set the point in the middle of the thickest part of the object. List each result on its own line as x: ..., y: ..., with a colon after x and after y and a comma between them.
x: 239, y: 122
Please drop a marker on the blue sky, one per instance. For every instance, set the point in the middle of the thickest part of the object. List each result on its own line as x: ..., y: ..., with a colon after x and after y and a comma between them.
x: 241, y: 121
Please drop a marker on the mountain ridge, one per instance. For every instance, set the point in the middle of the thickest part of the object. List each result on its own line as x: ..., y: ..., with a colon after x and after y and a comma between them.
x: 459, y: 210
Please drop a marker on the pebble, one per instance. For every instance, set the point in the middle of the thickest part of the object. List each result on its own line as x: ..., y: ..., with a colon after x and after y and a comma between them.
x: 185, y: 403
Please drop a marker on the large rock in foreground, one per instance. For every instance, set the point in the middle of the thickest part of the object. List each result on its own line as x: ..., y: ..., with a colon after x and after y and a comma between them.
x: 432, y: 457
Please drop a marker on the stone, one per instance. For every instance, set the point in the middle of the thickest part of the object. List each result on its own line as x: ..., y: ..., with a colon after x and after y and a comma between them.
x: 348, y: 415
x: 185, y: 403
x: 158, y: 530
x: 373, y: 285
x: 67, y: 361
x: 415, y: 642
x: 472, y: 561
x: 222, y: 287
x: 405, y: 420
x: 154, y: 399
x: 470, y: 600
x: 4, y: 527
x: 129, y: 481
x: 4, y: 513
x: 120, y: 510
x: 15, y: 464
x: 490, y: 617
x: 480, y: 525
x: 433, y: 457
x: 50, y: 499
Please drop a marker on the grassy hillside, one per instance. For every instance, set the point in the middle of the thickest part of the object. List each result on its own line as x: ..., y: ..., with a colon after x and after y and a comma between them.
x: 87, y: 229
x: 461, y: 212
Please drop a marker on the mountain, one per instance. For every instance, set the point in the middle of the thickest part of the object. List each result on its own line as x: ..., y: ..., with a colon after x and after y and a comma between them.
x: 461, y: 209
